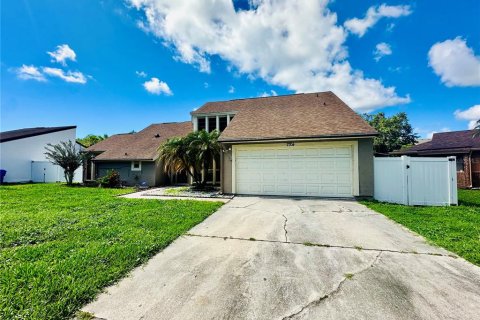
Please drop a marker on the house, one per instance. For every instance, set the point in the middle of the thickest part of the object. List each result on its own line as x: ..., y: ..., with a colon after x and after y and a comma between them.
x: 22, y: 154
x: 133, y: 155
x: 462, y: 144
x: 296, y: 145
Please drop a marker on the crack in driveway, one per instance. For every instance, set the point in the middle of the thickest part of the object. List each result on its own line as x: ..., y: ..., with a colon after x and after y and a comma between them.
x: 337, y: 289
x: 322, y: 245
x: 285, y: 228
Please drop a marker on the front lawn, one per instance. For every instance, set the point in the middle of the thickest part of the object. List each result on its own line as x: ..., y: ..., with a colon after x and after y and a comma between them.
x: 61, y: 245
x: 456, y: 228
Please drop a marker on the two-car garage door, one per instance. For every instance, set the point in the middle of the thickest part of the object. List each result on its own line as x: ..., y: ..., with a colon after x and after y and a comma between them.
x: 303, y: 170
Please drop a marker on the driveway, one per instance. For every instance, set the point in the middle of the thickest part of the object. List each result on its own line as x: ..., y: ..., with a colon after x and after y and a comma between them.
x: 278, y: 258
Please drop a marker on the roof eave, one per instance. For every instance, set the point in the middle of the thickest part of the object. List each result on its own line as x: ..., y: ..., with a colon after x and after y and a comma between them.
x: 320, y: 137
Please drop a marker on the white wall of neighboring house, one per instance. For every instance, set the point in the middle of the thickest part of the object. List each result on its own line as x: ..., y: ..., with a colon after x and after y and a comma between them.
x: 16, y: 156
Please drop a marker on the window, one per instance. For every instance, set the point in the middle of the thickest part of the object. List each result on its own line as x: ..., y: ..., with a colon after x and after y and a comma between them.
x: 201, y: 124
x: 212, y: 123
x: 223, y: 123
x: 460, y: 164
x: 136, y: 166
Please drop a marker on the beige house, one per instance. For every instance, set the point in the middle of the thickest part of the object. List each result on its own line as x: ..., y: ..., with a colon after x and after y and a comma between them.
x: 295, y: 145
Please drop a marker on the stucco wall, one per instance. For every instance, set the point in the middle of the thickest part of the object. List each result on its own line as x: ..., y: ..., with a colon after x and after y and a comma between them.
x: 148, y: 173
x: 365, y: 167
x: 16, y: 156
x: 226, y: 168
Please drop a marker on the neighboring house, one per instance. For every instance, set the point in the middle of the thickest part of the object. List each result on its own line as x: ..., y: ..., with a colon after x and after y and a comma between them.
x: 133, y: 155
x: 22, y: 154
x: 296, y: 145
x: 461, y: 144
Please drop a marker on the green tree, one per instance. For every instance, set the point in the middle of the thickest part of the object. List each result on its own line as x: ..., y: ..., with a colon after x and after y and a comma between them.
x: 395, y: 132
x: 91, y: 139
x: 67, y: 156
x: 190, y: 154
x: 476, y: 129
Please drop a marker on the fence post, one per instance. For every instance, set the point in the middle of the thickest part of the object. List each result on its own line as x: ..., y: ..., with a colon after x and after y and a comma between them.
x: 452, y: 180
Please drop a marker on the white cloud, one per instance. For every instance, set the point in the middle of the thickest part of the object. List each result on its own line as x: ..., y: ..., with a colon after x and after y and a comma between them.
x: 62, y: 54
x: 381, y: 50
x: 206, y: 85
x: 472, y: 115
x: 269, y: 94
x: 430, y: 134
x: 67, y: 76
x: 455, y: 63
x: 29, y: 73
x: 231, y: 89
x: 155, y: 86
x: 359, y: 26
x: 297, y: 45
x: 141, y: 74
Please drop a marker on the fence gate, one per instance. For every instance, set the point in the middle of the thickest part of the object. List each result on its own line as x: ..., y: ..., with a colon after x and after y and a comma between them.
x: 416, y: 180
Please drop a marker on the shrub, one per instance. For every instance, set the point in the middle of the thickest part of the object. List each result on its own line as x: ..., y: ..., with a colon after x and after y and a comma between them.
x: 110, y: 180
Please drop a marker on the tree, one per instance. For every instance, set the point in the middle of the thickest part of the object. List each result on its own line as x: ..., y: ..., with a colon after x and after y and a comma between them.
x: 67, y: 156
x: 476, y: 129
x: 395, y: 132
x: 190, y: 154
x: 91, y: 139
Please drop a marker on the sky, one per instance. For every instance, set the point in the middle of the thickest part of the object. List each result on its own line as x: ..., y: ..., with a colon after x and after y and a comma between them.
x: 115, y: 66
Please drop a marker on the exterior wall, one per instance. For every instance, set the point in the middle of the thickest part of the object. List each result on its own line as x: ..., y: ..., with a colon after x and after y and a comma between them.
x: 226, y: 172
x: 365, y: 167
x: 464, y: 177
x: 148, y: 173
x: 16, y: 156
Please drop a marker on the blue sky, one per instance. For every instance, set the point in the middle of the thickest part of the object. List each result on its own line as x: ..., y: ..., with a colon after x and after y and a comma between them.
x: 104, y: 55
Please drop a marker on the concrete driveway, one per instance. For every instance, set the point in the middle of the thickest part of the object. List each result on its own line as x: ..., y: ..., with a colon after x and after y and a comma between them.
x: 274, y: 258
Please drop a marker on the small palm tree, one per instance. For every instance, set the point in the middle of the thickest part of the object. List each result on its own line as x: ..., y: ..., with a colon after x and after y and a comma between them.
x: 67, y: 156
x: 191, y: 154
x: 476, y: 133
x: 206, y: 148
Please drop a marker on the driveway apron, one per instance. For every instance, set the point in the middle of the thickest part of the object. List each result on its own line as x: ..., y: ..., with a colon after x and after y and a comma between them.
x: 296, y: 258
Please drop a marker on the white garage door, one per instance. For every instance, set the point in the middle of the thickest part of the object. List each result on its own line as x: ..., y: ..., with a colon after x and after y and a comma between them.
x: 294, y: 170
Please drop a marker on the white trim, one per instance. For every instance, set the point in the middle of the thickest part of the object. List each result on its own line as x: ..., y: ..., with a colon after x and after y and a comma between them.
x: 195, y: 124
x: 218, y: 123
x: 132, y: 168
x: 352, y: 143
x: 206, y: 124
x: 280, y: 140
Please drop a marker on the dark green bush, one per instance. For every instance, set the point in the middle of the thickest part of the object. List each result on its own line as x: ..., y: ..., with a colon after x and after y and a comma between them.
x: 110, y: 180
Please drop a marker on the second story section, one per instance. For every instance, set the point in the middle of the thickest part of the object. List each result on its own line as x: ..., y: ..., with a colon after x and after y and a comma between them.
x: 211, y: 121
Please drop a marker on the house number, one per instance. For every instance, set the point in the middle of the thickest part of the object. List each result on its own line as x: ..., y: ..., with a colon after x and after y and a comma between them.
x: 290, y: 144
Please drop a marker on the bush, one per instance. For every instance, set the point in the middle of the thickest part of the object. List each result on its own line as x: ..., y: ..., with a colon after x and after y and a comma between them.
x: 110, y: 180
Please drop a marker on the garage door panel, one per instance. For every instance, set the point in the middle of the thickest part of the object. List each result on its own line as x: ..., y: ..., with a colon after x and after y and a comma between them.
x: 296, y: 171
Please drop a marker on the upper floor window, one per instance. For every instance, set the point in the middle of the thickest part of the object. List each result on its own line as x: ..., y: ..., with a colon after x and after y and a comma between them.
x: 223, y: 123
x: 212, y: 123
x: 201, y: 124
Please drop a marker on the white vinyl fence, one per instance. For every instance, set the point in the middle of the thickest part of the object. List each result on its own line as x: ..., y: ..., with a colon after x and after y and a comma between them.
x: 45, y: 171
x: 416, y: 180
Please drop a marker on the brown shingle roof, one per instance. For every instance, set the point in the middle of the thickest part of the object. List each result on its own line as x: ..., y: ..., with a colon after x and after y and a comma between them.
x: 141, y: 145
x: 30, y: 132
x: 447, y: 143
x: 311, y: 115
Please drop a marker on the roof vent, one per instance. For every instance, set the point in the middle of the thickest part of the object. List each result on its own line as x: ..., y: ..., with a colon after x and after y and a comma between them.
x: 126, y: 154
x: 324, y: 103
x: 157, y: 136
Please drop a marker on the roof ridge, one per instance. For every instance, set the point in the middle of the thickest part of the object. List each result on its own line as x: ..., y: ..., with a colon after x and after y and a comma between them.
x: 277, y: 96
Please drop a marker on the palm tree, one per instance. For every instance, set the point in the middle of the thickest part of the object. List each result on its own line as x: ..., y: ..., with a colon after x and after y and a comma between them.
x: 206, y: 148
x: 191, y: 154
x: 477, y: 129
x: 67, y: 156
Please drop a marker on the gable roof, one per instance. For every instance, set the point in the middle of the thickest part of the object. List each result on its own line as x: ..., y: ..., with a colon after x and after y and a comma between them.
x: 310, y: 115
x: 142, y: 145
x: 30, y: 132
x: 447, y: 143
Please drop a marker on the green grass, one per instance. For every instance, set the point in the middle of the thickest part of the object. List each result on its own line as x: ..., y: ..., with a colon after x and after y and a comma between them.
x: 59, y: 246
x: 176, y: 191
x: 456, y: 228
